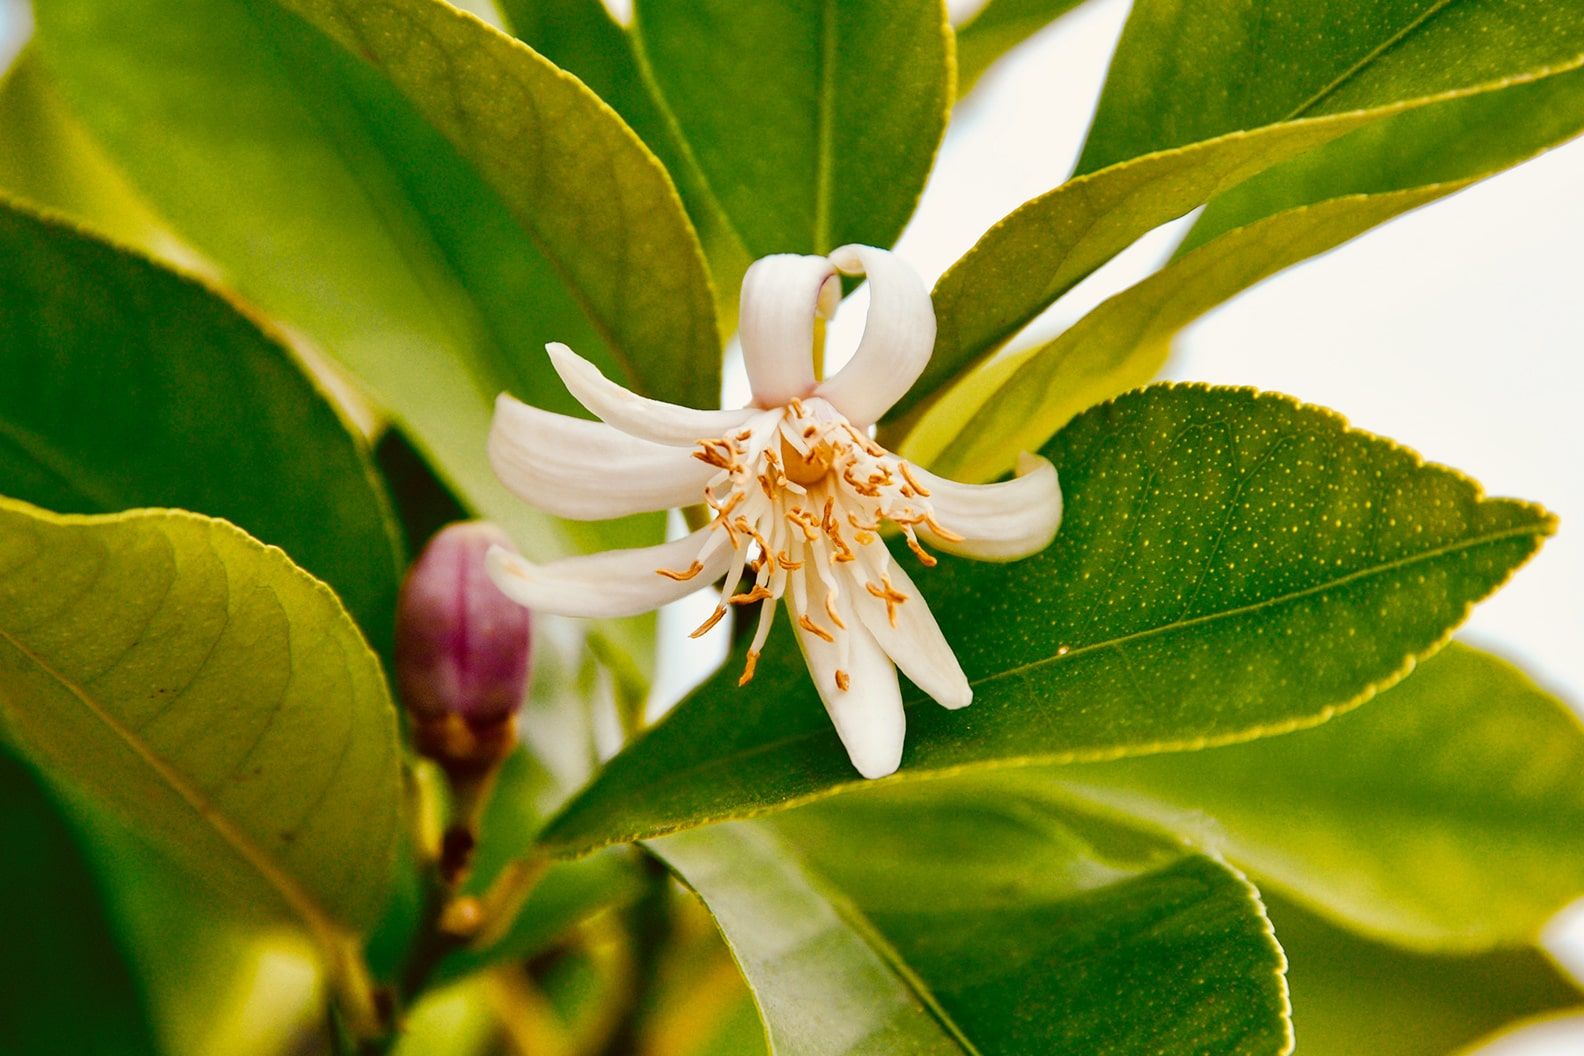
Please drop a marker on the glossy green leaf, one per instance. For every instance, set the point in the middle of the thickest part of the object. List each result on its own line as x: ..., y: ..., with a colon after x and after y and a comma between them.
x: 814, y: 123
x: 1450, y: 812
x: 581, y: 37
x: 1045, y: 247
x: 1351, y: 995
x: 997, y: 28
x: 1016, y: 403
x: 1450, y: 140
x: 959, y: 919
x: 1188, y: 72
x: 128, y: 385
x: 1200, y: 524
x: 431, y: 222
x: 210, y: 692
x: 68, y: 987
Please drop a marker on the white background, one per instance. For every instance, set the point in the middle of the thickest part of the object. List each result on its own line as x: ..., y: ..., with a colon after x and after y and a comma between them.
x: 1458, y: 330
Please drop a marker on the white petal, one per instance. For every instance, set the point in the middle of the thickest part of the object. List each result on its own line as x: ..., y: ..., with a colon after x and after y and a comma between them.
x: 998, y: 522
x: 916, y: 644
x: 613, y: 583
x: 588, y: 470
x: 867, y: 714
x: 781, y: 294
x: 635, y: 415
x: 898, y: 337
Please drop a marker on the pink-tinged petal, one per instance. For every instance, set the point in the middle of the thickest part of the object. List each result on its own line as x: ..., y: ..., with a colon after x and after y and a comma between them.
x: 915, y: 644
x: 898, y: 337
x: 588, y: 470
x: 781, y: 295
x: 639, y: 416
x: 612, y: 583
x: 997, y: 522
x: 868, y: 714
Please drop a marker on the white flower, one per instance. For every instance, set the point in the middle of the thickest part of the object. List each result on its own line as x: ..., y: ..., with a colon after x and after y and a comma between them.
x: 799, y: 493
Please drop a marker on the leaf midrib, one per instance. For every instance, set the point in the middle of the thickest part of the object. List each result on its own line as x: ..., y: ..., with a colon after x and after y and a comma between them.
x: 1413, y: 26
x: 584, y: 844
x: 301, y: 902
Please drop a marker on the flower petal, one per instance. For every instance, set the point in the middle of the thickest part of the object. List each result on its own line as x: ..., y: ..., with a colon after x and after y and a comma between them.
x: 898, y: 336
x: 916, y: 643
x: 613, y: 583
x: 781, y: 295
x: 998, y: 522
x: 587, y: 470
x: 868, y: 714
x: 653, y: 420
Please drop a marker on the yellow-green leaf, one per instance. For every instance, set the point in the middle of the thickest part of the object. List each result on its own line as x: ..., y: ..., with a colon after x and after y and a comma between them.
x: 213, y: 694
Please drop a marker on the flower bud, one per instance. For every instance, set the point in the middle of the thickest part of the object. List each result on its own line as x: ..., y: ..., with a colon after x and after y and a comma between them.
x: 462, y: 650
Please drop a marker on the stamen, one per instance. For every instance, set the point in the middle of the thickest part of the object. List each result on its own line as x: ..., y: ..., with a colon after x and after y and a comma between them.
x: 843, y: 683
x: 907, y: 472
x: 748, y: 668
x: 889, y: 594
x: 830, y: 610
x: 786, y: 562
x: 715, y: 617
x: 945, y: 533
x: 758, y: 593
x: 686, y: 574
x: 815, y: 629
x: 924, y: 556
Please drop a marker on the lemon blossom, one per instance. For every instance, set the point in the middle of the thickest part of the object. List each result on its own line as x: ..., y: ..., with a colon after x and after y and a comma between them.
x: 799, y: 493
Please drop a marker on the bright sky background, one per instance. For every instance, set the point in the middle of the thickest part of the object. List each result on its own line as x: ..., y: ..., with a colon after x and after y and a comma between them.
x: 1457, y: 330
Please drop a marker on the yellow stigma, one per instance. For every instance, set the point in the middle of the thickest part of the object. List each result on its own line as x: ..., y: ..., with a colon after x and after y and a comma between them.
x: 807, y: 469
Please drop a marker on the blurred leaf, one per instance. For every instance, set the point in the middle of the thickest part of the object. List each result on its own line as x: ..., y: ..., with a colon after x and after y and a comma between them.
x: 1351, y: 995
x: 814, y: 122
x: 432, y: 248
x: 129, y: 386
x: 1450, y: 812
x: 1046, y: 246
x: 958, y: 919
x: 997, y: 28
x: 1018, y: 402
x: 581, y: 37
x: 1201, y: 524
x: 68, y: 987
x: 1189, y: 72
x: 211, y: 693
x: 50, y: 161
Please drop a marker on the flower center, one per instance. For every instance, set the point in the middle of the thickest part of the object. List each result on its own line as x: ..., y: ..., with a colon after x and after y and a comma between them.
x: 799, y: 498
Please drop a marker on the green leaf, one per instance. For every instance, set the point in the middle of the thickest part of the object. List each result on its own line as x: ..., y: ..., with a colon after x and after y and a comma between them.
x: 1017, y: 402
x: 1184, y: 73
x: 1351, y: 995
x: 813, y: 122
x: 431, y: 222
x: 1201, y: 524
x: 1046, y: 246
x: 68, y: 987
x: 213, y: 694
x: 1450, y: 812
x: 958, y: 919
x: 1450, y: 140
x: 581, y: 37
x: 997, y: 28
x: 131, y: 386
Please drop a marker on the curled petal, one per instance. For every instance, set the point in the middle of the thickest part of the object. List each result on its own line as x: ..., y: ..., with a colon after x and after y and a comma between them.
x: 898, y: 336
x: 587, y: 470
x: 868, y: 713
x: 781, y: 295
x: 997, y: 522
x: 614, y: 582
x: 639, y: 416
x: 916, y: 644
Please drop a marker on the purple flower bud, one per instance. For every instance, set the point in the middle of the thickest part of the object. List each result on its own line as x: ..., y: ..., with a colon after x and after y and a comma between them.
x: 462, y: 646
